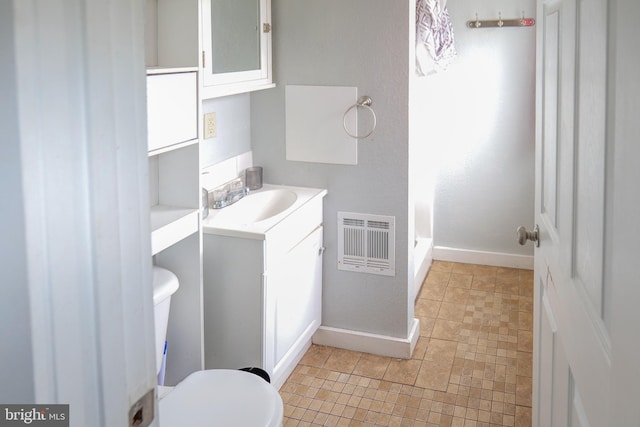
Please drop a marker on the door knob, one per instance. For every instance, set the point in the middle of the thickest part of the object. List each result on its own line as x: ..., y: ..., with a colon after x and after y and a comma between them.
x: 524, y: 235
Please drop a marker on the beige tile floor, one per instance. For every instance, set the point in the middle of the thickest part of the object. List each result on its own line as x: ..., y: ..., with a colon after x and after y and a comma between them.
x: 471, y: 366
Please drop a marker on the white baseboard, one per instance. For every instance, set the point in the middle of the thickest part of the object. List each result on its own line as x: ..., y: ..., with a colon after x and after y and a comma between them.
x: 295, y: 354
x: 278, y: 381
x: 499, y: 259
x: 423, y: 256
x: 381, y: 345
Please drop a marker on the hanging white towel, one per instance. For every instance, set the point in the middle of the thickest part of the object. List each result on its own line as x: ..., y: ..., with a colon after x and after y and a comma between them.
x: 435, y: 47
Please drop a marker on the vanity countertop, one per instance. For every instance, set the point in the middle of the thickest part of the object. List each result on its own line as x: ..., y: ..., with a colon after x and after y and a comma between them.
x: 239, y: 219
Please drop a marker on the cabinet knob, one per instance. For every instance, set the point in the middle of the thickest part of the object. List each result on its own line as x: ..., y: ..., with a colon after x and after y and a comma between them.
x: 321, y: 250
x: 266, y: 27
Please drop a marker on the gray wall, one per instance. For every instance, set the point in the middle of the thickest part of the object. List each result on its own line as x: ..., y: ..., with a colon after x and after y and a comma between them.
x: 481, y: 120
x: 362, y: 43
x: 233, y: 136
x: 471, y: 138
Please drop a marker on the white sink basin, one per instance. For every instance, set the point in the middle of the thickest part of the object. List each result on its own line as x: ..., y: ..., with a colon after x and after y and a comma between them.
x: 260, y: 211
x: 256, y: 207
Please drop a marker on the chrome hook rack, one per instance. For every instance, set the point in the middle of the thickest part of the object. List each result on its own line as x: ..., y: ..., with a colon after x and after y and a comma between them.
x: 500, y: 23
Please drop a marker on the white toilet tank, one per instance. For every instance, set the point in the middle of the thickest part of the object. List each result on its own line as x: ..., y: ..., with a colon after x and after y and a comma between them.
x: 165, y: 284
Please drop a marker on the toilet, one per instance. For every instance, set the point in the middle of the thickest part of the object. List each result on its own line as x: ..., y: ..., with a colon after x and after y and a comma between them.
x: 212, y: 397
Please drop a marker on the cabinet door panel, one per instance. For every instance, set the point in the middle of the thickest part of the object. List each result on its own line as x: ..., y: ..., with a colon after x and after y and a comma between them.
x: 299, y: 293
x: 236, y: 46
x: 171, y: 109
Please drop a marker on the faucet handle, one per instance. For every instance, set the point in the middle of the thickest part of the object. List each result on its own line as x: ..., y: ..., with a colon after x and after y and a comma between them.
x: 220, y: 194
x: 229, y: 193
x: 236, y: 184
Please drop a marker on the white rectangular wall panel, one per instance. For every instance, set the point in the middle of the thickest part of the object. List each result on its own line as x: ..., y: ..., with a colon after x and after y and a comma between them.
x: 314, y: 124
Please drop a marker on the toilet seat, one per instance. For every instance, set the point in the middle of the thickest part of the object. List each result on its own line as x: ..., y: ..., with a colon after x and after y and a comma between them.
x: 221, y: 397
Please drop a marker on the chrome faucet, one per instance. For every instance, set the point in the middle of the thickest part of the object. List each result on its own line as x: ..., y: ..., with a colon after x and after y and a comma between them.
x: 229, y: 193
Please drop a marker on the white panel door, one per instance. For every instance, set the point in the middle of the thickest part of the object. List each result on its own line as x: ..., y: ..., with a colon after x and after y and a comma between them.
x: 575, y: 353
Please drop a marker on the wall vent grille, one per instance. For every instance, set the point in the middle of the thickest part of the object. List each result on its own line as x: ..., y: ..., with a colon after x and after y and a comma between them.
x: 366, y: 243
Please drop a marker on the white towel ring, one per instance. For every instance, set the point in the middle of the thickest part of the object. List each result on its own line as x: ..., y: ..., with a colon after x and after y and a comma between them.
x: 364, y: 102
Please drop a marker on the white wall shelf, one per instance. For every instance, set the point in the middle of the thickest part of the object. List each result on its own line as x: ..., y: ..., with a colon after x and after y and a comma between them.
x: 175, y: 198
x: 209, y: 92
x: 170, y: 224
x: 172, y: 147
x: 165, y: 70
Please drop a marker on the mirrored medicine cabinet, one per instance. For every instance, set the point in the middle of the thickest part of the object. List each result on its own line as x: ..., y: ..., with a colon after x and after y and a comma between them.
x: 236, y: 46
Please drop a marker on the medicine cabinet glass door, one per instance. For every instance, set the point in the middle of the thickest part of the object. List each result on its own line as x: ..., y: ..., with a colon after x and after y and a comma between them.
x: 236, y: 43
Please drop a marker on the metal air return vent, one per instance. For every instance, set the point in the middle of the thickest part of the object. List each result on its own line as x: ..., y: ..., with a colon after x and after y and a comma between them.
x: 366, y: 243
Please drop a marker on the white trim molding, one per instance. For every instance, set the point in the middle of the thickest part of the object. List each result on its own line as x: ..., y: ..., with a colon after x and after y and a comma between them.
x: 382, y: 345
x: 290, y: 360
x: 423, y: 257
x: 498, y: 259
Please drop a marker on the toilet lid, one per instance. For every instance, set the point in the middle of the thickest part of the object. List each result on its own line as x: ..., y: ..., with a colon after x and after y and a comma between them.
x: 220, y: 397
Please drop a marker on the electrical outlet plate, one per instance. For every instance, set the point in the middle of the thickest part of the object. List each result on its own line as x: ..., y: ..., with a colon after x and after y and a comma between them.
x: 141, y: 413
x: 210, y: 125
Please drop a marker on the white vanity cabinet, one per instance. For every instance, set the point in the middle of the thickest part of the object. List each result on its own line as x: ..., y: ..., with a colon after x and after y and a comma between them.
x: 263, y: 294
x: 236, y: 46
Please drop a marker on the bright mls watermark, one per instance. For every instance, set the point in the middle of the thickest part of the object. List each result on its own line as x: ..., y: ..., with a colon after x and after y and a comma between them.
x: 34, y: 415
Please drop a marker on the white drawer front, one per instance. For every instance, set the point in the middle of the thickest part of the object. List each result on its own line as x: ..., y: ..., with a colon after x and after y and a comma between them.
x: 171, y: 109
